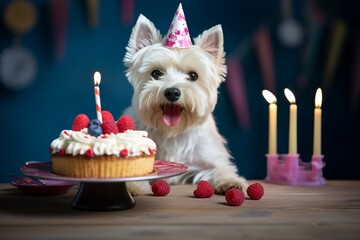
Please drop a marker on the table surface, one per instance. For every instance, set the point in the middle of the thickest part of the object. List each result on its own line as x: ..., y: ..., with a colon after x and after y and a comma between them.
x: 331, y: 211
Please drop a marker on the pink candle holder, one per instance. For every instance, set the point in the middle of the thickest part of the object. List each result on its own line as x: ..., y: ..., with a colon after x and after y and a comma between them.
x: 288, y: 169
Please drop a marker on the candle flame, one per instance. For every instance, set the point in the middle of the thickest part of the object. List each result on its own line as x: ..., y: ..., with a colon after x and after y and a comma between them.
x: 318, y: 98
x: 269, y: 96
x: 289, y: 95
x: 97, y: 78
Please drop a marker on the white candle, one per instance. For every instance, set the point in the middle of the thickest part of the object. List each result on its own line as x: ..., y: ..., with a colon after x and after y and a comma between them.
x: 292, y: 122
x: 97, y: 80
x: 271, y: 99
x: 317, y: 123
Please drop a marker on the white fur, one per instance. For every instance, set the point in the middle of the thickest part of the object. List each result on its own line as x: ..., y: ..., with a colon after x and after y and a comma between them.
x: 195, y: 141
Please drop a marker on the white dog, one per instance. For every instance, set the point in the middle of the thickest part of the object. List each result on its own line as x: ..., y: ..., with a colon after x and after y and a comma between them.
x: 175, y: 93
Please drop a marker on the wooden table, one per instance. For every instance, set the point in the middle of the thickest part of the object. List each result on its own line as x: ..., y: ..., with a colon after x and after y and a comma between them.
x: 327, y: 212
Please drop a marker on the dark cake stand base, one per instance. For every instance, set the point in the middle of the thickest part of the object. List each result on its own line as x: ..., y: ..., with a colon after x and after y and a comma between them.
x: 103, y: 197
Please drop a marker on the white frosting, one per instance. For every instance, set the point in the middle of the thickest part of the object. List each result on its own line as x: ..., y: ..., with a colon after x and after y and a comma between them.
x: 79, y: 142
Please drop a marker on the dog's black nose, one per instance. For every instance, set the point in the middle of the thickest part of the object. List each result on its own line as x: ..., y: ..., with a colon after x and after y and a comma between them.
x: 172, y: 94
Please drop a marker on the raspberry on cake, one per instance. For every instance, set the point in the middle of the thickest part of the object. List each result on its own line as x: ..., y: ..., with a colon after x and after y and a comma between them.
x: 109, y: 126
x: 81, y: 121
x: 125, y: 123
x: 106, y: 115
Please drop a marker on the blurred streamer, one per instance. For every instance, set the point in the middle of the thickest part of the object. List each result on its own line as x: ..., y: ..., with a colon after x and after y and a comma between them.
x: 235, y: 85
x: 59, y: 14
x: 127, y: 11
x: 92, y: 7
x: 262, y: 43
x: 356, y: 87
x: 315, y: 30
x: 336, y: 46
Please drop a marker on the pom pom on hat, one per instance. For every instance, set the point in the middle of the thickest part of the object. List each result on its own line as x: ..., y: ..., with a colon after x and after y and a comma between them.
x: 178, y: 35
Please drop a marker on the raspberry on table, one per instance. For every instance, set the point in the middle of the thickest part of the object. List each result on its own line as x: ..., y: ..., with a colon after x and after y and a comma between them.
x: 255, y: 191
x: 160, y: 188
x: 204, y: 190
x: 234, y: 197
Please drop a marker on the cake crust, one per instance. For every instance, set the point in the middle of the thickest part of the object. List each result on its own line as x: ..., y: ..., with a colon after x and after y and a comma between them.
x: 103, y: 166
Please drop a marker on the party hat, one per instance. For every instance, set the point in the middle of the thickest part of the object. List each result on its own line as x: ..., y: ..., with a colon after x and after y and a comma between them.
x: 178, y: 35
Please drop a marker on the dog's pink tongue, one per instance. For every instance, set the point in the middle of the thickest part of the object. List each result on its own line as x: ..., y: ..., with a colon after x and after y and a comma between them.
x: 171, y: 114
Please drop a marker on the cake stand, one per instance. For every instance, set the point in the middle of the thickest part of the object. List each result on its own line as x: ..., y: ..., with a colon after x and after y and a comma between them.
x: 104, y: 194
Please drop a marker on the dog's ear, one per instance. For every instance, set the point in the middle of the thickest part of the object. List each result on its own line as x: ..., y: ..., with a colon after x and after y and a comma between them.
x: 143, y: 34
x: 212, y: 41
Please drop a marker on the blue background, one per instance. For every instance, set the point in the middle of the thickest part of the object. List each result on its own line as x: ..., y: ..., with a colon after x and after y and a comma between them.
x: 31, y: 118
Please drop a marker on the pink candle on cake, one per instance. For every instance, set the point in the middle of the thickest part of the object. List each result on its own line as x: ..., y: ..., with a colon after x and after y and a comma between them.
x: 97, y: 80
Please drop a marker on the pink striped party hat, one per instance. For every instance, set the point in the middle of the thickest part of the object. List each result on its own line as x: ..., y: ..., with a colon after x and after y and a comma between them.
x: 178, y: 35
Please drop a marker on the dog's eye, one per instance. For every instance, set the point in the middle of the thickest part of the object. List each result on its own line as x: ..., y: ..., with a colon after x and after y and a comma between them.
x: 193, y: 76
x: 156, y: 74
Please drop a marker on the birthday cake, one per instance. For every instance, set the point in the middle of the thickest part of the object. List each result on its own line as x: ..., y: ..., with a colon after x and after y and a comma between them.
x: 107, y: 149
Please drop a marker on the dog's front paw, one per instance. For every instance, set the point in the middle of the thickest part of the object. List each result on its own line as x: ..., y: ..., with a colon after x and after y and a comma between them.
x: 222, y: 185
x: 138, y: 188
